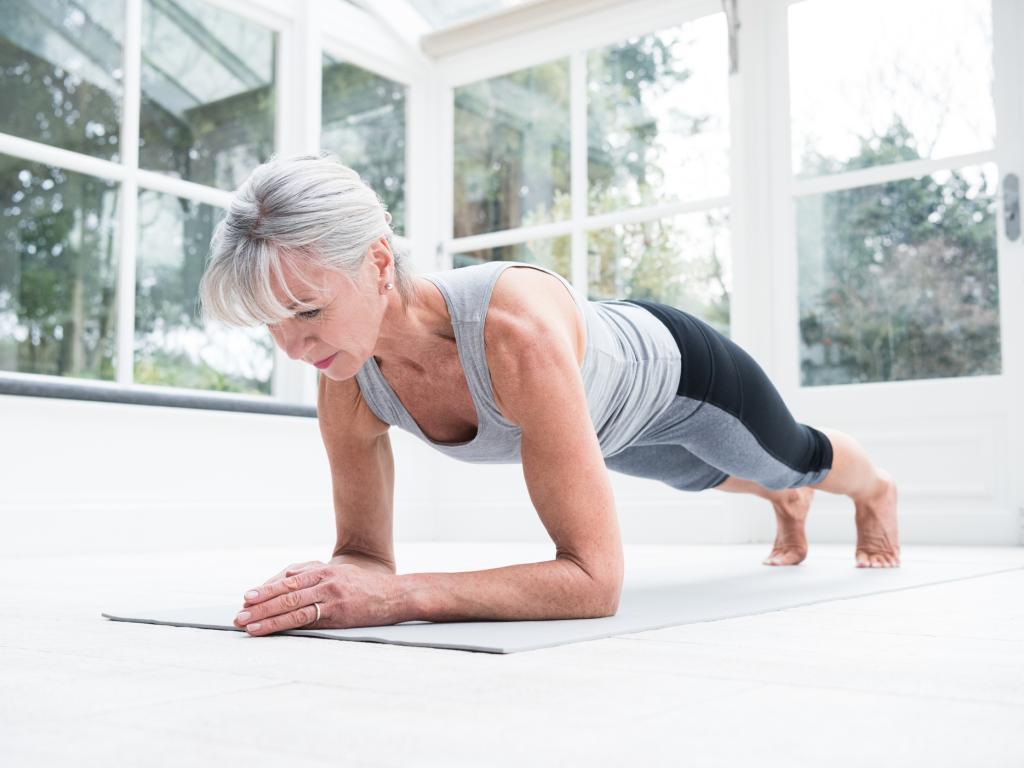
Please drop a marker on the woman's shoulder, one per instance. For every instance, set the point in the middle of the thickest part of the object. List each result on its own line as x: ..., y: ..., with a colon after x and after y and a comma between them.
x: 537, y: 306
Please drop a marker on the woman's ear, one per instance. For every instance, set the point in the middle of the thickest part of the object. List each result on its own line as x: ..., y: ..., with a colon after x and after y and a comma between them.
x: 383, y: 259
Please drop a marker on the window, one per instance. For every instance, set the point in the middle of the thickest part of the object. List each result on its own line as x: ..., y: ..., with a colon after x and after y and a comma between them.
x: 898, y: 269
x: 512, y: 150
x: 172, y: 347
x: 552, y: 253
x: 65, y: 73
x: 655, y: 181
x: 58, y: 271
x: 363, y: 122
x: 207, y: 92
x: 207, y: 115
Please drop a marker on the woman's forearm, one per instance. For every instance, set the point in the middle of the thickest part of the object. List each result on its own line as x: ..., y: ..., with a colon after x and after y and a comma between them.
x: 554, y: 589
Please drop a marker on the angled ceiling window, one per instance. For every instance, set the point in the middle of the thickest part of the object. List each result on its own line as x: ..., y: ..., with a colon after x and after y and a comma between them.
x: 441, y: 14
x: 61, y: 65
x: 208, y: 99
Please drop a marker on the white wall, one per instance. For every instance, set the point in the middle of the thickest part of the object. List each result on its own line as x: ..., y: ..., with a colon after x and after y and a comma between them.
x: 83, y: 476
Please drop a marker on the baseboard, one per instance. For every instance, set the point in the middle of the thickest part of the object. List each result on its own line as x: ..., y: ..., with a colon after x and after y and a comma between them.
x: 34, y: 529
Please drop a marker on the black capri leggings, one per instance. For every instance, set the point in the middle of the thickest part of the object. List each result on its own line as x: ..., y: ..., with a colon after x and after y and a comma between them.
x: 727, y: 419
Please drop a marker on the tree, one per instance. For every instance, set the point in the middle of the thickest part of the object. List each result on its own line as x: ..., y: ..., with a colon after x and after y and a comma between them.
x: 898, y: 280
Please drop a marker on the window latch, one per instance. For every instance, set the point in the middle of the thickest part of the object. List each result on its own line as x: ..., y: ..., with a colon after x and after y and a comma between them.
x: 1011, y: 205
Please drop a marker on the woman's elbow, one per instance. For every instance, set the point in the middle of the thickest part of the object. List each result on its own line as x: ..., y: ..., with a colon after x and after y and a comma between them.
x: 606, y: 599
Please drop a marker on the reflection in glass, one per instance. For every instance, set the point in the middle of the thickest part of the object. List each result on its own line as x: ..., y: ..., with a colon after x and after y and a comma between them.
x: 172, y: 346
x: 512, y: 150
x: 208, y: 93
x: 924, y: 77
x: 363, y: 122
x: 658, y: 117
x: 58, y: 271
x: 684, y: 261
x: 554, y: 253
x: 61, y: 73
x: 899, y: 280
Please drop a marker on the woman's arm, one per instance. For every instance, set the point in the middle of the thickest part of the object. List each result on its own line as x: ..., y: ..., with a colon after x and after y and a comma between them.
x: 362, y: 476
x: 535, y: 368
x: 537, y: 379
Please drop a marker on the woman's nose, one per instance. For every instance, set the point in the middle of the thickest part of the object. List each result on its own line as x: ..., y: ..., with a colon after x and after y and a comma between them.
x: 289, y: 339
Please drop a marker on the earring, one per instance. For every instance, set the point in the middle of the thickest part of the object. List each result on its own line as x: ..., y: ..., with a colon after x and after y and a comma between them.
x: 388, y: 286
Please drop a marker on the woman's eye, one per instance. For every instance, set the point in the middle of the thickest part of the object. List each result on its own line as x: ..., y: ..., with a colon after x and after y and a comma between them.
x: 308, y: 315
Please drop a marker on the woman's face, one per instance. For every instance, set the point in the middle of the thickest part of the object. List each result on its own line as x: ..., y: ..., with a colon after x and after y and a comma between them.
x: 343, y: 325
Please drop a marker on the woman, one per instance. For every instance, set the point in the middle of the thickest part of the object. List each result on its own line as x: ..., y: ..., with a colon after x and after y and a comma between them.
x: 501, y: 362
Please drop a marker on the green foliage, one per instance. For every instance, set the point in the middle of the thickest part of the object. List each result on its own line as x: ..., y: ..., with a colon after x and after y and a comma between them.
x: 897, y: 280
x: 176, y: 369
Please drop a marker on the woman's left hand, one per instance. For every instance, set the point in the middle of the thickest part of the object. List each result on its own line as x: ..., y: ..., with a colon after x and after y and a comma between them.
x: 349, y: 596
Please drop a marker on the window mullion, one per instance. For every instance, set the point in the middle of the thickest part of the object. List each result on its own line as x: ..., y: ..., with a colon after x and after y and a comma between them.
x: 578, y: 167
x: 128, y: 247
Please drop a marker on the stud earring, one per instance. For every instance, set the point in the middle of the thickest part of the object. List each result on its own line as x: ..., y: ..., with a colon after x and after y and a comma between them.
x: 388, y: 286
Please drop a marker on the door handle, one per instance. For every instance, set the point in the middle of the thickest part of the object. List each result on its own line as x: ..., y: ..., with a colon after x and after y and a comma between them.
x: 1011, y: 205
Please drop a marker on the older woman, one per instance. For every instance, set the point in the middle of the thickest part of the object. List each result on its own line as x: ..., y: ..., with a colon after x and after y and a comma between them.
x: 501, y: 362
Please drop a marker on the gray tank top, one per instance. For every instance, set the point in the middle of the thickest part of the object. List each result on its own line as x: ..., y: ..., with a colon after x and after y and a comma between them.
x: 630, y: 369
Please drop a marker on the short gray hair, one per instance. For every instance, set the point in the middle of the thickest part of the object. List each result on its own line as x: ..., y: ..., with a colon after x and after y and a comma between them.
x: 308, y: 207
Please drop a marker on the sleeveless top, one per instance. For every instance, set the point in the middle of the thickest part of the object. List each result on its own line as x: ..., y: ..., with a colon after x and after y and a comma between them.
x: 630, y: 370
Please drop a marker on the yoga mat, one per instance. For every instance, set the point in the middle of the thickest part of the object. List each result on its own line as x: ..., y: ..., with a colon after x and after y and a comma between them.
x: 651, y: 599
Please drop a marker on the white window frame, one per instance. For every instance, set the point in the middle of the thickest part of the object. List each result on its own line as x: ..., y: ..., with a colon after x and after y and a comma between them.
x: 569, y: 38
x: 301, y: 38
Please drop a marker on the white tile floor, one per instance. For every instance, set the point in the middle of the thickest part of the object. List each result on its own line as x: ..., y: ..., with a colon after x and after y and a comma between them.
x: 932, y: 676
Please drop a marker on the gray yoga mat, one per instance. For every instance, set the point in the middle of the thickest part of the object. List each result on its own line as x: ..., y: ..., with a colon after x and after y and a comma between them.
x: 651, y: 599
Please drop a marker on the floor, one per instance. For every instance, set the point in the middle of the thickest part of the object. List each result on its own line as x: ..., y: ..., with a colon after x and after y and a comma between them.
x: 932, y: 676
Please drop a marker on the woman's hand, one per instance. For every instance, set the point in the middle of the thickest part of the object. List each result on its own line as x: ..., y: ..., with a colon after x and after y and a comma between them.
x: 349, y: 596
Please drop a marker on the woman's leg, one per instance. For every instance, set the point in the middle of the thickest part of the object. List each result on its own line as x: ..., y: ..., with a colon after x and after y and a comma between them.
x: 791, y: 506
x: 738, y: 423
x: 874, y: 497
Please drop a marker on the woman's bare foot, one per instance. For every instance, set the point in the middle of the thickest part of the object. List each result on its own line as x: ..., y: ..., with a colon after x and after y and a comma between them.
x: 877, y: 535
x: 791, y: 508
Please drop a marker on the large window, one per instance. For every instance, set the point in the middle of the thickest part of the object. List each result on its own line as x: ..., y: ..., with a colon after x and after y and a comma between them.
x: 897, y: 258
x: 655, y: 182
x: 207, y: 110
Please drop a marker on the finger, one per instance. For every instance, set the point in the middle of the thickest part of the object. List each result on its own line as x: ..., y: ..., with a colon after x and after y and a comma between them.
x: 303, y: 618
x: 292, y: 569
x: 276, y: 588
x: 304, y: 567
x: 280, y: 608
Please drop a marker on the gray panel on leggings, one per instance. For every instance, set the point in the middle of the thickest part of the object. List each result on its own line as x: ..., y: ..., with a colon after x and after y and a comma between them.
x: 697, y: 444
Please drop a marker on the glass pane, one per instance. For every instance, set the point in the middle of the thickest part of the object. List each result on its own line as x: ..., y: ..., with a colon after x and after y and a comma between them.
x: 512, y: 150
x: 684, y: 261
x: 658, y: 117
x: 58, y: 271
x: 446, y: 13
x: 172, y: 346
x: 899, y: 280
x: 920, y: 84
x: 208, y: 94
x: 363, y: 122
x: 555, y: 254
x: 61, y: 65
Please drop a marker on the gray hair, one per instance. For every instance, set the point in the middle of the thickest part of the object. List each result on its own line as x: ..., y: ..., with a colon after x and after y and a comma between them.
x: 311, y: 208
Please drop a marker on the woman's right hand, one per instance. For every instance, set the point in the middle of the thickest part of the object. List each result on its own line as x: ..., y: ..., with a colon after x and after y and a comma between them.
x: 294, y: 568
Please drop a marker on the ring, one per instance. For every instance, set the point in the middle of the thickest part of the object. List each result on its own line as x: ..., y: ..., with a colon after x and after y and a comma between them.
x: 317, y: 605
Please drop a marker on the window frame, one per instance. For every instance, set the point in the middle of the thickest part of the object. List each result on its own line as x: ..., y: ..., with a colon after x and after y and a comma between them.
x: 301, y: 39
x: 570, y: 39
